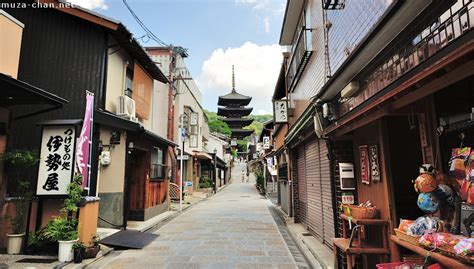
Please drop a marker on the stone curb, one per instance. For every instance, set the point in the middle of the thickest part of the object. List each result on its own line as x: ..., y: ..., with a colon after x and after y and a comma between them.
x: 313, y: 259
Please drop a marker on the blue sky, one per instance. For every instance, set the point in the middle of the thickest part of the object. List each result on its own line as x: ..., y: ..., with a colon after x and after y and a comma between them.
x: 217, y: 33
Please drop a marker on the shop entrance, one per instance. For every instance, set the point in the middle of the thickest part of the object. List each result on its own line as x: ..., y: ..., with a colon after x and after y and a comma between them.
x: 403, y: 165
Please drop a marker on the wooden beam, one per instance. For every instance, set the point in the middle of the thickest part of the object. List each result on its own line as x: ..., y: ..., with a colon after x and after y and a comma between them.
x: 464, y: 71
x: 88, y: 16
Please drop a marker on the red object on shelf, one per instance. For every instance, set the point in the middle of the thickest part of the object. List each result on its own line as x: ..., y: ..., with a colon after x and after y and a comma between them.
x: 434, y: 266
x: 391, y: 265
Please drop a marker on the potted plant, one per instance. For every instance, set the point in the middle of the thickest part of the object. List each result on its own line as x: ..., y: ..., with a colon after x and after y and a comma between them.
x: 92, y: 251
x: 22, y: 199
x: 63, y: 229
x: 79, y: 250
x: 18, y: 161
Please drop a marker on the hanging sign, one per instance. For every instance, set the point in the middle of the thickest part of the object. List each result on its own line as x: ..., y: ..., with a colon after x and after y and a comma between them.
x: 364, y: 164
x: 374, y: 163
x: 193, y: 141
x: 57, y: 160
x: 85, y: 142
x: 271, y: 168
x: 233, y: 142
x: 280, y: 111
x: 266, y: 142
x: 194, y: 118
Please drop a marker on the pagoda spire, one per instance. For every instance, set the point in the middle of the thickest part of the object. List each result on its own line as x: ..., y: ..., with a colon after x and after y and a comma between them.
x: 233, y: 80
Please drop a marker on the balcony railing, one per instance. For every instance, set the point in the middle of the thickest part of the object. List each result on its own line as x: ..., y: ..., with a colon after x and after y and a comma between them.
x: 300, y: 54
x: 408, y: 53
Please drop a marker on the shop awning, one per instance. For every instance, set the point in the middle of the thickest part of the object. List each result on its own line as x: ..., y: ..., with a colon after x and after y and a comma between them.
x: 110, y: 119
x: 16, y: 92
x: 202, y: 155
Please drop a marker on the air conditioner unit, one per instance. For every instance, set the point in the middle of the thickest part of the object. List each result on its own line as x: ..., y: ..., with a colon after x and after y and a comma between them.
x: 126, y: 107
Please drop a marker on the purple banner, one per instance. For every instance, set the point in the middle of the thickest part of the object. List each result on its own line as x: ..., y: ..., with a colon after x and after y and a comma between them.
x: 84, y: 142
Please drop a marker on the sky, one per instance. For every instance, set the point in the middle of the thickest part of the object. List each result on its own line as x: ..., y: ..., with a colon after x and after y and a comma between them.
x: 217, y: 34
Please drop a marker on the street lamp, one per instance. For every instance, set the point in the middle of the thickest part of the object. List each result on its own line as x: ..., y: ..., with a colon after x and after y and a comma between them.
x: 215, y: 170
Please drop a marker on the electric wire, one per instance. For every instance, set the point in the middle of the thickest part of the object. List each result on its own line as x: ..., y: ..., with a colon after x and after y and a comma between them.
x: 150, y: 34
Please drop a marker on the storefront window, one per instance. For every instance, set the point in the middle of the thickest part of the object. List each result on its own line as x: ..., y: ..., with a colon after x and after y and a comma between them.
x: 157, y: 169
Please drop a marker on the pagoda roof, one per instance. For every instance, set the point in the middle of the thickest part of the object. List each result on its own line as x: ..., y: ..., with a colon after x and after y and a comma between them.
x: 237, y: 122
x: 240, y: 133
x: 234, y: 98
x: 234, y: 111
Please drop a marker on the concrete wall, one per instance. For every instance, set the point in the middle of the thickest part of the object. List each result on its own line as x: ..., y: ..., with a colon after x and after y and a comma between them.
x: 111, y: 181
x: 11, y: 31
x: 115, y: 77
x: 160, y: 109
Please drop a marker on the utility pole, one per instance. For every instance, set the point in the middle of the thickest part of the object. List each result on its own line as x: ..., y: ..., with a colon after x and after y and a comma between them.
x: 183, y: 139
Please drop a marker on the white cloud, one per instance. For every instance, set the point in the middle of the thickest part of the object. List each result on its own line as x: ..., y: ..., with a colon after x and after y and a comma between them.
x: 266, y: 24
x: 256, y: 72
x: 89, y: 4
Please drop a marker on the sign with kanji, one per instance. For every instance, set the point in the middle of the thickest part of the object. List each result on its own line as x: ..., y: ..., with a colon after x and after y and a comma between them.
x: 280, y: 111
x: 56, y: 165
x: 193, y: 141
x: 364, y: 164
x: 374, y: 163
x: 266, y: 142
x: 194, y: 118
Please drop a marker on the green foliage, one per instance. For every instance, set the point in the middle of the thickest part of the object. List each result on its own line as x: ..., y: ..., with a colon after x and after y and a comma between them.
x: 257, y: 124
x: 25, y: 158
x: 22, y: 199
x: 61, y: 229
x: 205, y: 183
x: 216, y: 125
x: 75, y: 195
x: 95, y: 240
x: 78, y: 245
x: 260, y: 180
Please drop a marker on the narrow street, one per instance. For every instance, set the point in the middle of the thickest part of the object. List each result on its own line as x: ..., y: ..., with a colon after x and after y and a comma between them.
x: 232, y: 229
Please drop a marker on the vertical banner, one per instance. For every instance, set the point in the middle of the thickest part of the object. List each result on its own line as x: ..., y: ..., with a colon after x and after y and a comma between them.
x: 364, y: 164
x: 56, y: 160
x: 85, y: 142
x: 374, y: 163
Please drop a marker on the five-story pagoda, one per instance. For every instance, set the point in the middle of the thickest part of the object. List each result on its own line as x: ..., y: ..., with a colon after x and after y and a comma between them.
x: 233, y: 108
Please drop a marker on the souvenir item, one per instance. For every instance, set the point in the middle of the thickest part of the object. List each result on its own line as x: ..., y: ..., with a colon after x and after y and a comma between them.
x: 428, y: 202
x: 427, y: 169
x: 444, y: 193
x: 424, y: 225
x: 425, y: 183
x: 441, y: 178
x: 457, y: 163
x: 404, y: 224
x: 464, y: 246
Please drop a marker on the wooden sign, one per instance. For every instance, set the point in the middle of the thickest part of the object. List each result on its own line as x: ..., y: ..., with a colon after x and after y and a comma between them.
x: 364, y: 164
x: 57, y: 160
x: 374, y: 163
x: 280, y: 111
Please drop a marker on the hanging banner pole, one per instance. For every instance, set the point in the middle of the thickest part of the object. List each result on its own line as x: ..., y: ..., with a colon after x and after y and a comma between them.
x: 84, y: 145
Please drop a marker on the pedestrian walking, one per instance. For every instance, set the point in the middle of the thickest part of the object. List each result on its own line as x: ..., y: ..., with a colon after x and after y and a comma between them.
x: 243, y: 176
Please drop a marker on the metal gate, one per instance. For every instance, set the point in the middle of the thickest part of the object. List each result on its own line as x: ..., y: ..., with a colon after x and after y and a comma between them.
x: 302, y: 205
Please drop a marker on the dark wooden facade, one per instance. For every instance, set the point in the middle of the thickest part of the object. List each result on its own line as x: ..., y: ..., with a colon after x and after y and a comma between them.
x: 66, y: 55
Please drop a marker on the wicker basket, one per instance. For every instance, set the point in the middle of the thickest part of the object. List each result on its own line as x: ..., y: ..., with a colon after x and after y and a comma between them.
x: 412, y: 239
x: 358, y: 212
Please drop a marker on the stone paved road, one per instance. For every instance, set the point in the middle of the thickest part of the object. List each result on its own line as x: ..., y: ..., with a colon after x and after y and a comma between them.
x: 233, y: 229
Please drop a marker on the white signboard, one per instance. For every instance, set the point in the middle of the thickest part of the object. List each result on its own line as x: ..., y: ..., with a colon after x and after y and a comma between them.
x: 280, y: 111
x: 266, y: 142
x: 271, y: 168
x: 233, y: 142
x: 193, y: 141
x: 185, y: 157
x: 56, y: 167
x: 194, y: 118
